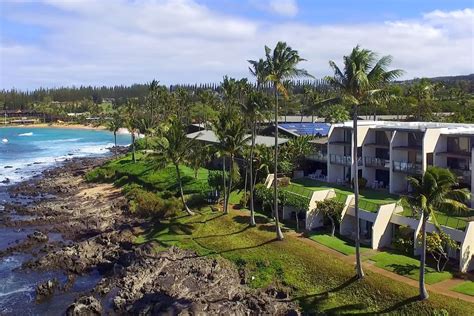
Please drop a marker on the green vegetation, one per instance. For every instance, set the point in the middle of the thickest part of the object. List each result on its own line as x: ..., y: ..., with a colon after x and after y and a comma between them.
x: 337, y: 243
x: 321, y: 282
x: 465, y: 288
x: 408, y: 267
x: 146, y: 173
x: 370, y: 200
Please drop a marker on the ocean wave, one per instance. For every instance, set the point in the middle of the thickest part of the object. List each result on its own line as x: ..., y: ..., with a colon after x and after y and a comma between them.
x: 26, y: 134
x: 55, y: 141
x: 19, y: 290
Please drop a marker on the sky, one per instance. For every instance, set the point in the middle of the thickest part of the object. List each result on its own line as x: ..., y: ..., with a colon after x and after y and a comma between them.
x: 52, y: 43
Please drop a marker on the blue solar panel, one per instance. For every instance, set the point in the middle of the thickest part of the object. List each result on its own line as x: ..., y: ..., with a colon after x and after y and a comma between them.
x: 321, y: 129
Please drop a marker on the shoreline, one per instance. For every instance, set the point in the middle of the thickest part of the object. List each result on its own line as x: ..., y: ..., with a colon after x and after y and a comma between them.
x: 97, y: 244
x: 55, y: 125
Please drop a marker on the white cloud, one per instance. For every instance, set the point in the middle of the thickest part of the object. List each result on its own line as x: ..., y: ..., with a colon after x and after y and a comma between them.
x: 284, y: 7
x: 124, y: 42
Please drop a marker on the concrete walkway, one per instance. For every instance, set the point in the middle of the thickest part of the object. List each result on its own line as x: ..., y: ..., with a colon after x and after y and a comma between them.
x: 442, y: 287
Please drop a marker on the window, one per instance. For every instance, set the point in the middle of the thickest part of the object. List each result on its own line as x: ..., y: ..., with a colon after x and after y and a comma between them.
x: 382, y: 153
x: 459, y: 144
x: 415, y: 139
x: 381, y: 138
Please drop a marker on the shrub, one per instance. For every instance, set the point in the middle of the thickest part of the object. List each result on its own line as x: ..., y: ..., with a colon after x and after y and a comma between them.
x: 197, y: 200
x: 148, y: 204
x: 362, y: 182
x: 284, y: 182
x: 245, y: 199
x: 403, y: 241
x: 99, y: 175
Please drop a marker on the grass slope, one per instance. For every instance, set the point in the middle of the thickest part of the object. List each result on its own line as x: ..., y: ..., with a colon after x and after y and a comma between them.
x: 321, y: 282
x: 408, y: 267
x: 150, y: 175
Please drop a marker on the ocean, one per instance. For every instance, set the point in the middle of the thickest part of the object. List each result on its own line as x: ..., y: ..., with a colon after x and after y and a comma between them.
x: 27, y: 151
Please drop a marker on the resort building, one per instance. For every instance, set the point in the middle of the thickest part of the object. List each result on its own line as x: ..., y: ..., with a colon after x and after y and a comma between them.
x: 388, y: 153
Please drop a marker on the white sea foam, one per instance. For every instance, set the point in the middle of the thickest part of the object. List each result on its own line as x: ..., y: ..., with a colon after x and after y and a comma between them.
x: 19, y: 290
x: 26, y: 134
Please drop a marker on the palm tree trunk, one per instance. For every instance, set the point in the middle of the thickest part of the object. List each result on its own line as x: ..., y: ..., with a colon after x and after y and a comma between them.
x: 252, y: 210
x: 178, y: 173
x: 115, y: 142
x: 229, y: 188
x: 224, y: 184
x: 423, y: 292
x: 355, y: 172
x: 333, y: 226
x: 133, y: 147
x: 275, y: 180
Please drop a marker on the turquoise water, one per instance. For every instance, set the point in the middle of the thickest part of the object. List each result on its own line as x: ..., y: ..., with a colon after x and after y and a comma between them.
x: 30, y: 150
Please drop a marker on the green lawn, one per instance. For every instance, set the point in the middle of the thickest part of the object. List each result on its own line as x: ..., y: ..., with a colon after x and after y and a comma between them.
x: 408, y: 267
x: 370, y: 200
x: 465, y: 288
x: 336, y: 243
x: 320, y: 282
x: 150, y: 175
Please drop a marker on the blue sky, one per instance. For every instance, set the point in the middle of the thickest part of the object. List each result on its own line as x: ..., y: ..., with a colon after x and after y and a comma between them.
x: 53, y: 43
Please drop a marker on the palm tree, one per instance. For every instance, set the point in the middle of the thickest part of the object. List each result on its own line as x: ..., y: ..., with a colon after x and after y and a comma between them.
x: 174, y: 147
x: 132, y: 121
x: 362, y: 76
x: 258, y: 70
x: 114, y: 125
x: 280, y: 66
x: 230, y: 130
x: 434, y: 192
x: 254, y: 109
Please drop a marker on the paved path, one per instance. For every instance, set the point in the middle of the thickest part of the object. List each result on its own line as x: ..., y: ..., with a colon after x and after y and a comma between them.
x: 440, y: 287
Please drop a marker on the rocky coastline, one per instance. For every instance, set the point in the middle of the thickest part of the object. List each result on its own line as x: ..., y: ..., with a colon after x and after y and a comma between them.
x: 97, y: 234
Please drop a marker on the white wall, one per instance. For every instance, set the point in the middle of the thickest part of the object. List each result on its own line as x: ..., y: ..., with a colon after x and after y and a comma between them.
x: 466, y: 262
x: 313, y: 218
x: 430, y: 140
x: 381, y: 229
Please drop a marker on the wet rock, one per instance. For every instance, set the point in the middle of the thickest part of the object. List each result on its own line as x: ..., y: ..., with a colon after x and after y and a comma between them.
x: 85, y: 305
x: 38, y: 237
x: 46, y: 289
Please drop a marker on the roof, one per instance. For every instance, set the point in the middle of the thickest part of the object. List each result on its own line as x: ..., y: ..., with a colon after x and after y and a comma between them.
x: 300, y: 129
x: 210, y: 137
x: 445, y: 128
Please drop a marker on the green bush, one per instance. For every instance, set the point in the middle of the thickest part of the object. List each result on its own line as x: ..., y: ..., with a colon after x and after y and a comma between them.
x: 99, y: 175
x: 197, y: 200
x: 403, y: 240
x: 245, y: 199
x: 362, y: 182
x: 148, y: 204
x: 146, y: 143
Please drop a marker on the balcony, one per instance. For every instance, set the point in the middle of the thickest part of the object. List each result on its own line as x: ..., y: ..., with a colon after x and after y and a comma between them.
x: 343, y: 160
x: 377, y: 162
x: 408, y: 148
x: 407, y: 167
x: 318, y: 156
x: 378, y: 145
x: 341, y: 143
x: 464, y: 175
